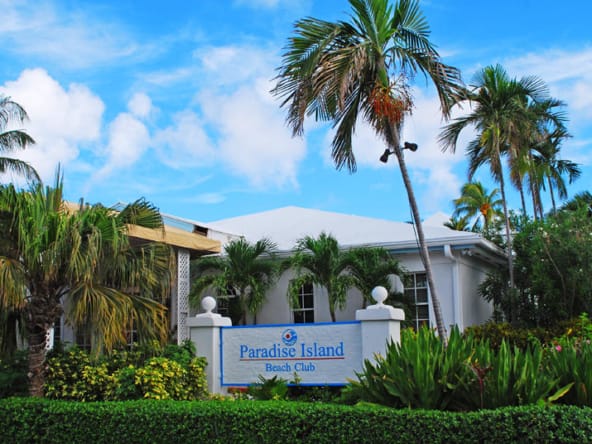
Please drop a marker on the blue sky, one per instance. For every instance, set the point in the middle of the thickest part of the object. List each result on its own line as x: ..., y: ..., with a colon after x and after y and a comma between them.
x: 170, y: 101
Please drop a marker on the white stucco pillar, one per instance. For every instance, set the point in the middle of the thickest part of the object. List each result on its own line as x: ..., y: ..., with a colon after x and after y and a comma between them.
x: 380, y: 324
x: 204, y: 332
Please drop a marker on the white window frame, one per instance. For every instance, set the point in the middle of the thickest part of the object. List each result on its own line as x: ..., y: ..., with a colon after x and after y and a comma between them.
x: 412, y: 290
x: 305, y: 311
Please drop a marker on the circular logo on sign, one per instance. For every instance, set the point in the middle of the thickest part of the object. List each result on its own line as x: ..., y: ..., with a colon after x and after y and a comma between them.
x: 289, y: 337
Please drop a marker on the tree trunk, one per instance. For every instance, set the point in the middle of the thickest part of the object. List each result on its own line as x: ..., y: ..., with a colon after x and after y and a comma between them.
x: 552, y: 194
x: 423, y: 248
x: 522, y: 199
x: 37, y: 340
x: 42, y: 311
x: 508, y: 232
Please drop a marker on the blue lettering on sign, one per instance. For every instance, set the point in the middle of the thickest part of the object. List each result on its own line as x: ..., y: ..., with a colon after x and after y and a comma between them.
x: 304, y: 367
x: 285, y: 367
x: 273, y: 352
x: 315, y: 350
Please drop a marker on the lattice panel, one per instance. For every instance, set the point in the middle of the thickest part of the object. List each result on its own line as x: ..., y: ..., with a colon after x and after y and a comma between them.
x: 183, y: 286
x: 49, y: 339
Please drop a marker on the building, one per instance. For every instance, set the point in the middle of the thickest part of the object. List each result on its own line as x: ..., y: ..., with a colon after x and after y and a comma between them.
x: 189, y: 240
x: 460, y: 262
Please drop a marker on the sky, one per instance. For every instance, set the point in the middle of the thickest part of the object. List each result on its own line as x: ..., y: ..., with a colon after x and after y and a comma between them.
x: 171, y: 102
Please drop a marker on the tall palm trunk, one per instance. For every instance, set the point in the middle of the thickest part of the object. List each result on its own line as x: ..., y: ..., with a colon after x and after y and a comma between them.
x: 552, y: 194
x: 508, y: 231
x: 42, y: 311
x: 522, y: 199
x: 393, y: 139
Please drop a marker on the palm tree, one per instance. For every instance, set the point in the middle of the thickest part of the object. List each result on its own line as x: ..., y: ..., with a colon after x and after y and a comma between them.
x: 360, y: 69
x: 501, y: 117
x: 370, y: 267
x: 320, y: 261
x: 553, y: 168
x: 245, y: 271
x: 12, y: 139
x: 547, y: 127
x: 50, y: 252
x: 458, y: 223
x: 478, y: 204
x: 580, y: 200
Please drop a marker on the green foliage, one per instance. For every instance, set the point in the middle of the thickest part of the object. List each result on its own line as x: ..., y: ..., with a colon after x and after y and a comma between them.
x: 215, y: 422
x: 552, y: 269
x: 496, y: 332
x: 245, y: 271
x: 171, y: 372
x: 418, y: 373
x: 513, y: 377
x: 159, y: 379
x: 266, y: 389
x: 553, y: 266
x: 468, y: 374
x: 570, y: 361
x: 13, y: 374
x: 320, y: 261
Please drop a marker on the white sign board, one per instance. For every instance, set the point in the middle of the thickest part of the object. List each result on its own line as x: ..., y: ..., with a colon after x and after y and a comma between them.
x: 319, y: 354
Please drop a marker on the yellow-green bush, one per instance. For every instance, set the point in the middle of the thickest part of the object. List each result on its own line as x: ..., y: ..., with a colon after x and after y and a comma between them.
x: 72, y: 375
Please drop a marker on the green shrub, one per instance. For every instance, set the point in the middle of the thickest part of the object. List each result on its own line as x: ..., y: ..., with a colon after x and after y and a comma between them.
x: 418, y: 373
x: 71, y: 375
x: 274, y: 388
x: 512, y: 377
x: 570, y: 361
x: 161, y: 378
x: 13, y: 375
x: 44, y: 421
x: 123, y: 375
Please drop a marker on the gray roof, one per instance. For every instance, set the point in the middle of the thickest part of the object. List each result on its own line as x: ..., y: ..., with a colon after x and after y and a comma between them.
x: 286, y: 225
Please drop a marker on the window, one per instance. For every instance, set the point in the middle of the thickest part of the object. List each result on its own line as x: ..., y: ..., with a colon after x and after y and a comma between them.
x: 83, y: 340
x: 416, y: 291
x: 304, y: 311
x: 223, y: 306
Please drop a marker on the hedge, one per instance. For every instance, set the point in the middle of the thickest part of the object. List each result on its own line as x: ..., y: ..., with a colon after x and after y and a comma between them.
x: 28, y: 420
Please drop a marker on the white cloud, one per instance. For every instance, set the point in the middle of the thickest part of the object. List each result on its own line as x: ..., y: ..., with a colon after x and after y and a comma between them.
x: 185, y: 143
x: 128, y: 140
x: 568, y: 73
x: 68, y: 37
x: 61, y: 120
x: 140, y: 105
x: 254, y: 141
x: 235, y: 65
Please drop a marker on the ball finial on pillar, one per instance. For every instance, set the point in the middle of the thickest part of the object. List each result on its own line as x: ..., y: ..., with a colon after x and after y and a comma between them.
x: 379, y: 294
x: 208, y: 304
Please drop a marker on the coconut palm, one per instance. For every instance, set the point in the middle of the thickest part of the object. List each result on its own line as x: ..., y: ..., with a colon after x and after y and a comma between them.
x: 553, y: 168
x: 50, y: 252
x: 458, y: 223
x: 501, y: 117
x: 245, y: 271
x: 320, y: 261
x: 532, y: 162
x: 370, y: 267
x: 478, y: 204
x: 13, y: 139
x: 580, y: 200
x: 360, y: 69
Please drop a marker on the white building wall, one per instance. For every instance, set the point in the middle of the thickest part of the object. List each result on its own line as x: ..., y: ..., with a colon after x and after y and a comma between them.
x: 475, y: 309
x: 457, y: 281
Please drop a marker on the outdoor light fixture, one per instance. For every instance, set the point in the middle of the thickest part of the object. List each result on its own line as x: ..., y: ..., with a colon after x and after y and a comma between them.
x: 406, y: 146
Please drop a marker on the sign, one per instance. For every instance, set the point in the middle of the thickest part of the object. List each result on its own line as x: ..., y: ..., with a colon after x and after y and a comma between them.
x: 317, y: 354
